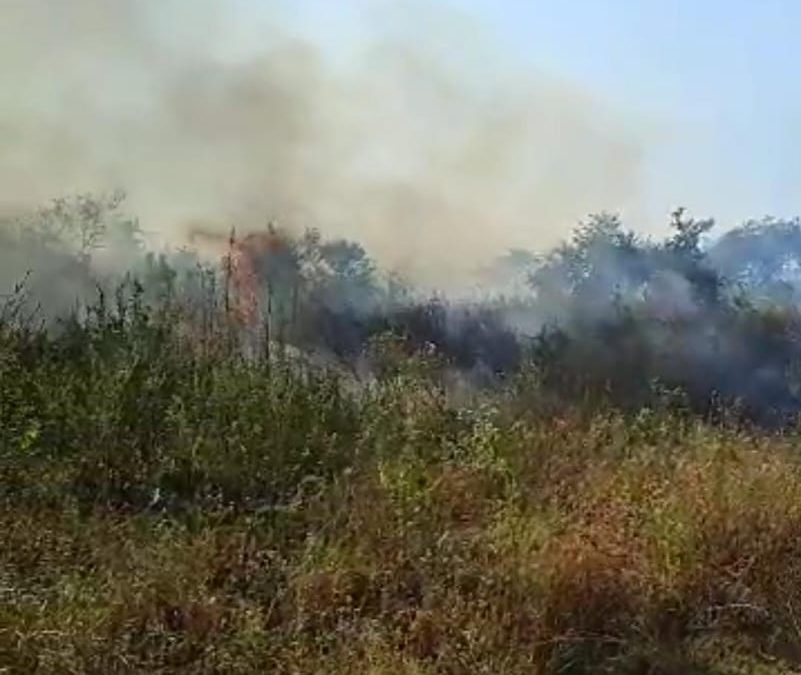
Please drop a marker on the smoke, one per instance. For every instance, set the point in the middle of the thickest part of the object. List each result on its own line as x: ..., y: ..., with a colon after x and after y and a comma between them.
x: 434, y: 152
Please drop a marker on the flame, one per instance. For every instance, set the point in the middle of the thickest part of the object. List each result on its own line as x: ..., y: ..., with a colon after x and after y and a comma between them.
x: 243, y: 264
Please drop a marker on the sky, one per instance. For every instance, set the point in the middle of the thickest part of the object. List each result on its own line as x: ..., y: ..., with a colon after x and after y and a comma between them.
x: 711, y: 85
x: 717, y: 75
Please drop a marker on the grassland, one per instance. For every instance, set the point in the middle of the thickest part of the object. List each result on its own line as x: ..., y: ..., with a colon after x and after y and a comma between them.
x: 168, y: 506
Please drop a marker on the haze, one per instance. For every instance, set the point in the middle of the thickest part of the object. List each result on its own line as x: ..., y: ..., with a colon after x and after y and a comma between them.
x: 437, y: 135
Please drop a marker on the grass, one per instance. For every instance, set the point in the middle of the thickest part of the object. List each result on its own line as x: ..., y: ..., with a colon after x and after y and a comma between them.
x: 168, y: 508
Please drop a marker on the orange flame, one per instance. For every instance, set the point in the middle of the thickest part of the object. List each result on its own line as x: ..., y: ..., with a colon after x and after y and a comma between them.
x: 242, y: 265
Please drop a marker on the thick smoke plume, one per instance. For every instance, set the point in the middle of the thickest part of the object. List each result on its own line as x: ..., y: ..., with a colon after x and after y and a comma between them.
x: 403, y: 142
x: 303, y: 177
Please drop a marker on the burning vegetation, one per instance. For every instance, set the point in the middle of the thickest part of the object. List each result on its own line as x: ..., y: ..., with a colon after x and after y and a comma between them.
x: 269, y: 456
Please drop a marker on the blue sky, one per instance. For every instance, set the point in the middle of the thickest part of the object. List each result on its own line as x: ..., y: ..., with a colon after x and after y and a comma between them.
x: 719, y: 74
x: 713, y: 82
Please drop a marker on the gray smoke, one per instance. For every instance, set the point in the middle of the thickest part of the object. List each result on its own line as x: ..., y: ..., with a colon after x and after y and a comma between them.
x: 433, y: 152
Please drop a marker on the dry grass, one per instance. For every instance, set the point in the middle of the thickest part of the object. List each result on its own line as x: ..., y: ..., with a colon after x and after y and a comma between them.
x: 164, y: 513
x: 663, y: 560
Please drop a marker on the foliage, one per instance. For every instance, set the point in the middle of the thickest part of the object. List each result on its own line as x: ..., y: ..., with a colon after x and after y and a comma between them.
x: 631, y: 318
x: 170, y: 506
x: 180, y: 492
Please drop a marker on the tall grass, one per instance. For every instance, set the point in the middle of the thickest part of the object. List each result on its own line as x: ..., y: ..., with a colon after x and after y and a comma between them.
x: 169, y: 505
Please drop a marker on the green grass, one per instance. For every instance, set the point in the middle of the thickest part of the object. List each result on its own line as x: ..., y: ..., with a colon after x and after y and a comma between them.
x: 170, y: 507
